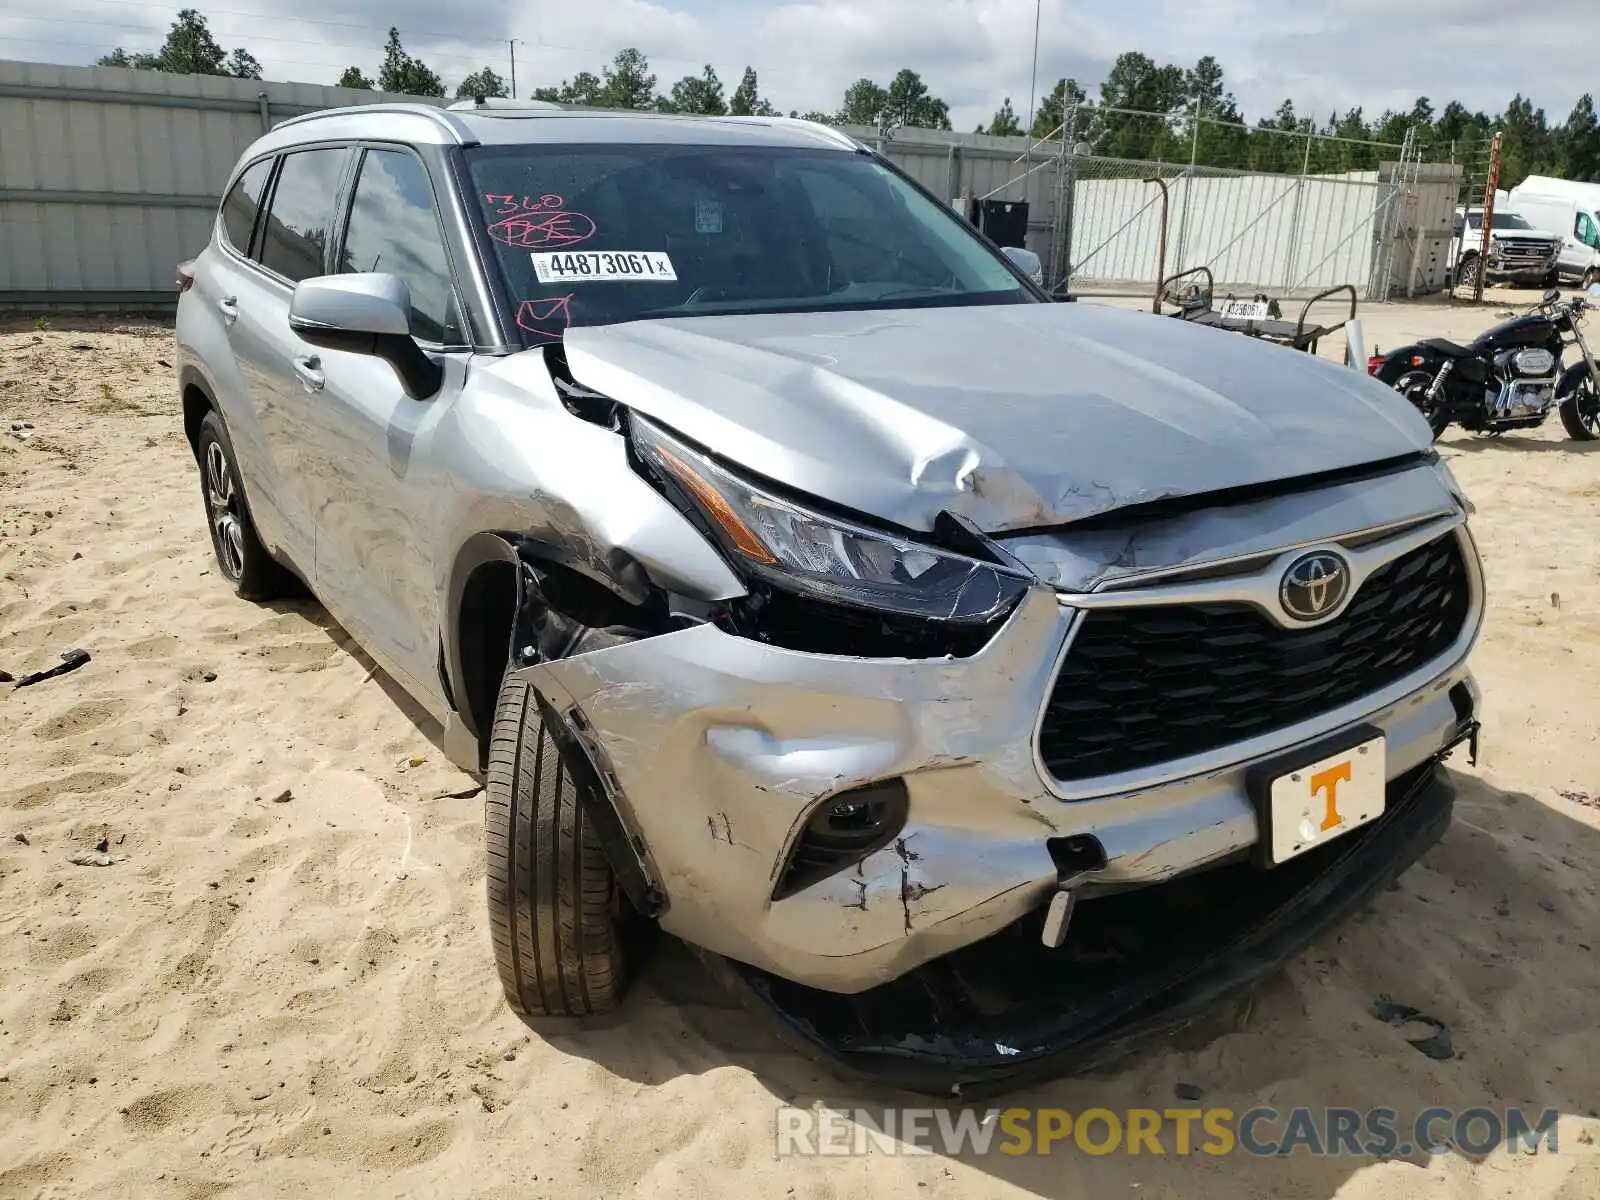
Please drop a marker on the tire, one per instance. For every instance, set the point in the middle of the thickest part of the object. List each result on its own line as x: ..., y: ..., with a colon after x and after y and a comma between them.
x: 243, y: 560
x: 558, y: 924
x: 1580, y: 406
x: 1413, y: 385
x: 1590, y: 278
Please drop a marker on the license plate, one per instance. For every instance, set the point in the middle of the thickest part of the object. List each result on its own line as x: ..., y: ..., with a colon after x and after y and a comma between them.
x: 1311, y: 805
x: 1244, y: 310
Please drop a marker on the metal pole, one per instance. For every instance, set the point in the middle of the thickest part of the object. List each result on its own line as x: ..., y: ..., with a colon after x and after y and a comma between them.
x: 1294, y: 221
x: 1033, y: 78
x: 1161, y: 247
x: 1488, y: 217
x: 1069, y: 193
x: 512, y: 42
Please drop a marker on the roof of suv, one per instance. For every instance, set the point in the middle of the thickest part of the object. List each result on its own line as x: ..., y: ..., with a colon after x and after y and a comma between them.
x: 511, y: 123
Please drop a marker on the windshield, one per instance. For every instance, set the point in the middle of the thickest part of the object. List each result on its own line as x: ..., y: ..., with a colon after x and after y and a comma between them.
x: 1502, y: 220
x: 589, y: 235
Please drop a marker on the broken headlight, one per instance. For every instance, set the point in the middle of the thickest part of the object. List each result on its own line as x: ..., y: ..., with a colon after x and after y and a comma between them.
x: 773, y: 540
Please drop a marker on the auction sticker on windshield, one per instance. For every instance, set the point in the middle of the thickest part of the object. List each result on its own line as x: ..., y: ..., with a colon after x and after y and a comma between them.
x: 595, y: 266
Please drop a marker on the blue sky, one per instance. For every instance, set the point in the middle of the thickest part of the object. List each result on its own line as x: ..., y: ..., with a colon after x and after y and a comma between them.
x: 1323, y: 53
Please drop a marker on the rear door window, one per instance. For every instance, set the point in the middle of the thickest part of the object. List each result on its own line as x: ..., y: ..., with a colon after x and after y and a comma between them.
x: 302, y: 215
x: 394, y: 229
x: 243, y: 203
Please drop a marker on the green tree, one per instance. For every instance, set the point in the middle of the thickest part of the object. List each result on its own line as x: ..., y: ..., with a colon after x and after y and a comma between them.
x: 700, y: 94
x: 1216, y: 137
x: 1004, y: 122
x: 1068, y: 93
x: 628, y: 82
x: 1526, y: 144
x: 1138, y: 86
x: 910, y: 103
x: 354, y: 78
x: 242, y: 64
x: 402, y: 73
x: 1273, y: 147
x: 583, y: 89
x: 482, y: 83
x: 747, y: 101
x: 189, y: 50
x: 864, y: 103
x: 1579, y: 141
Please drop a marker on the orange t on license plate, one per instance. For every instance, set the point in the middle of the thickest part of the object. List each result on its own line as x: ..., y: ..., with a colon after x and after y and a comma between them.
x: 1304, y: 807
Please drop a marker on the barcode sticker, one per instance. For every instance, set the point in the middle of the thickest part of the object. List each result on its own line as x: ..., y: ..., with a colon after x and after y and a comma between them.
x: 594, y: 266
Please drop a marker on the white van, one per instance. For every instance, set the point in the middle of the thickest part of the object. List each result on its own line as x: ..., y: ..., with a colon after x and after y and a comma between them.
x: 1571, y: 209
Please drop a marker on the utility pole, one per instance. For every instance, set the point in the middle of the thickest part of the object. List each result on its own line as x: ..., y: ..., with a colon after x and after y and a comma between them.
x: 1033, y: 78
x: 512, y: 43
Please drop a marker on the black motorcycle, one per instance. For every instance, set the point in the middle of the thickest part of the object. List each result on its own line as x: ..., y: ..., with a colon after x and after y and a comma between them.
x: 1510, y: 377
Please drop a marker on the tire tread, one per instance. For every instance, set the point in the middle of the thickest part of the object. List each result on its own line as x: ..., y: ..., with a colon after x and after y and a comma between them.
x: 550, y: 889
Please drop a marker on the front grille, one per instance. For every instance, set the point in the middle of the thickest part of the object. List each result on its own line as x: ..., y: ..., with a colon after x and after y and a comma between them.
x: 1526, y: 250
x: 1144, y: 686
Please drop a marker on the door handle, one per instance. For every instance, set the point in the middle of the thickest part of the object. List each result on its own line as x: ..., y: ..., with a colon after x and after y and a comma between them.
x: 229, y: 308
x: 310, y: 372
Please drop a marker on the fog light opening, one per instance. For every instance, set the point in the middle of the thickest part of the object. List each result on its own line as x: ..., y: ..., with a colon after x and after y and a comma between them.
x: 842, y: 830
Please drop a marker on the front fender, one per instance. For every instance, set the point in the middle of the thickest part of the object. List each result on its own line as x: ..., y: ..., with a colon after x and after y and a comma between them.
x: 1573, y: 376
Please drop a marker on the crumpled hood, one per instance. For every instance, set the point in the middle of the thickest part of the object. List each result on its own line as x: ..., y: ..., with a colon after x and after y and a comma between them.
x: 1014, y: 416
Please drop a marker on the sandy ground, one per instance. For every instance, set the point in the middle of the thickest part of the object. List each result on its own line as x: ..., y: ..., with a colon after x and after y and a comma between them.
x: 257, y: 998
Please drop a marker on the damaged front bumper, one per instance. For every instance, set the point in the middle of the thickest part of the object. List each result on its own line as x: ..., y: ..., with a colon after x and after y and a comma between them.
x: 717, y: 749
x: 1006, y: 1012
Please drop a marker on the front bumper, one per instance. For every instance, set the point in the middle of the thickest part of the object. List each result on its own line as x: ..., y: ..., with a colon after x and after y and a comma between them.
x: 1520, y: 270
x: 1006, y: 1012
x: 717, y: 749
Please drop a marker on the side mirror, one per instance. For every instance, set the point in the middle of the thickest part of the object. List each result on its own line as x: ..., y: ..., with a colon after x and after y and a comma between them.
x: 1025, y: 261
x: 365, y: 314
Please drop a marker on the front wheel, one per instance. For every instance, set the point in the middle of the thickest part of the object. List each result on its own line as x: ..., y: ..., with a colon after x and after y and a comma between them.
x: 1580, y: 404
x: 560, y: 927
x: 1415, y: 385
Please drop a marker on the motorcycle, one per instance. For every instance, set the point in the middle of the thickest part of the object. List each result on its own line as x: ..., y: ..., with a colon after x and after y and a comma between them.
x: 1510, y: 377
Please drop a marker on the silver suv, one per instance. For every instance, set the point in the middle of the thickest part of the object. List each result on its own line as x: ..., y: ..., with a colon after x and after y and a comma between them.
x: 977, y: 682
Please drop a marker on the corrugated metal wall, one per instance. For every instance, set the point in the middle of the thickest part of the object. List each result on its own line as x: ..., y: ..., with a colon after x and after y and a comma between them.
x: 953, y: 165
x: 110, y: 177
x: 1276, y: 231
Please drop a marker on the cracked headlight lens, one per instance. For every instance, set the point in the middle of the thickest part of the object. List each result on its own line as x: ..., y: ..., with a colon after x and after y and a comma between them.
x: 772, y: 539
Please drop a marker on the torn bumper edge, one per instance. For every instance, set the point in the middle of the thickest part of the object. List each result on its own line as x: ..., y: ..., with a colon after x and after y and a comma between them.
x: 716, y: 748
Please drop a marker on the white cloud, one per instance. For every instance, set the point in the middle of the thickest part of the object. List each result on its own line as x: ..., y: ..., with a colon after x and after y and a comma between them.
x: 1323, y: 53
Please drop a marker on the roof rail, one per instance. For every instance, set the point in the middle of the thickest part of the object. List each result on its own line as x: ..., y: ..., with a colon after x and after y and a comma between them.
x: 442, y: 117
x: 501, y: 104
x: 837, y: 136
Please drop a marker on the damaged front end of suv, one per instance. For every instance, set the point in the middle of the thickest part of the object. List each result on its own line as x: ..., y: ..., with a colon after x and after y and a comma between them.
x: 999, y: 762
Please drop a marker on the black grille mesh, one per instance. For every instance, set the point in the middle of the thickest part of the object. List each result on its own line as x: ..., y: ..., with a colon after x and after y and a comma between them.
x: 1144, y: 686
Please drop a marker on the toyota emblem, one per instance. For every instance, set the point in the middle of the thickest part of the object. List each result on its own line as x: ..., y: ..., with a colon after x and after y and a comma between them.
x: 1314, y: 586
